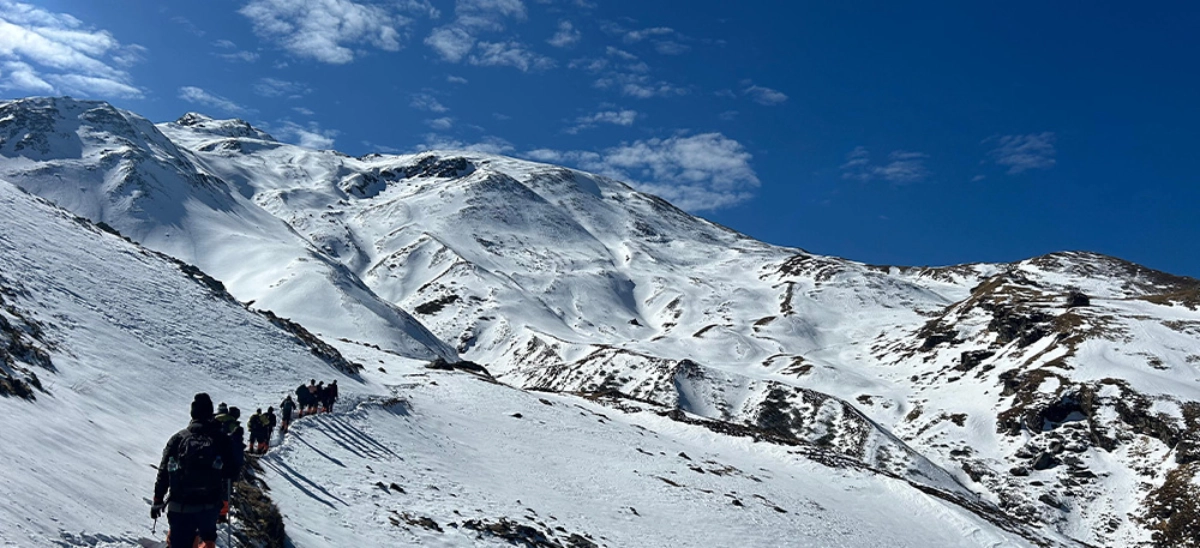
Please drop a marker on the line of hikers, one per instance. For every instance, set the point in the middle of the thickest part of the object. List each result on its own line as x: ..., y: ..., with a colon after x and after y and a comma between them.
x: 201, y: 462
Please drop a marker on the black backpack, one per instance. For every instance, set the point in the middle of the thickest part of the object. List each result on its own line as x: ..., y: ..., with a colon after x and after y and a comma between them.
x: 199, y: 476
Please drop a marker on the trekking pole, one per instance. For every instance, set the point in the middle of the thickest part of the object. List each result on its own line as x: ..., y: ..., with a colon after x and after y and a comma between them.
x: 229, y: 522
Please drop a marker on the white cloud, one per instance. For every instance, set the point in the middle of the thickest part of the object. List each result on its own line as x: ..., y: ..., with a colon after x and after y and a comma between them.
x: 512, y: 54
x: 326, y: 30
x: 728, y: 115
x: 427, y: 102
x: 303, y: 111
x: 225, y: 44
x: 456, y: 79
x: 625, y: 73
x: 309, y: 136
x: 903, y: 167
x: 441, y: 124
x: 671, y: 47
x: 635, y: 36
x: 243, y: 56
x: 765, y: 96
x: 639, y: 86
x: 1021, y: 153
x: 196, y: 95
x: 473, y: 18
x: 489, y: 144
x: 46, y: 52
x: 451, y: 43
x: 188, y: 25
x: 566, y: 36
x: 697, y: 173
x: 616, y: 117
x: 274, y: 87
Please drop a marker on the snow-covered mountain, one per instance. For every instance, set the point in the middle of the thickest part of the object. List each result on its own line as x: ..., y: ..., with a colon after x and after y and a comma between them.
x: 1059, y: 392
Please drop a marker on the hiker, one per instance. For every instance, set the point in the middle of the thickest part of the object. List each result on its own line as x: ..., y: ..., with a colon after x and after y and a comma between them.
x: 270, y: 427
x: 286, y: 409
x: 190, y: 486
x: 228, y: 419
x: 255, y: 424
x: 331, y: 395
x: 302, y: 395
x: 323, y: 399
x: 314, y: 397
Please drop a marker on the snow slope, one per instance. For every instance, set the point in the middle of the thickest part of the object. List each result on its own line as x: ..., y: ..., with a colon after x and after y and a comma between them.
x: 131, y: 335
x: 1062, y: 389
x: 115, y: 167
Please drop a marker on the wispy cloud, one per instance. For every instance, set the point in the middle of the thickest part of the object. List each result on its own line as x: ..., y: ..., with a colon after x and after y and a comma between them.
x: 441, y: 124
x: 614, y: 117
x: 236, y: 55
x: 488, y: 144
x: 456, y: 79
x: 303, y: 111
x: 309, y: 135
x: 329, y: 30
x: 199, y: 96
x: 188, y: 25
x: 47, y: 52
x: 1021, y: 153
x: 635, y: 36
x: 698, y: 173
x: 427, y: 102
x: 902, y: 167
x: 566, y: 36
x: 274, y: 87
x: 666, y: 40
x: 764, y: 95
x: 460, y: 40
x: 625, y: 73
x: 511, y: 54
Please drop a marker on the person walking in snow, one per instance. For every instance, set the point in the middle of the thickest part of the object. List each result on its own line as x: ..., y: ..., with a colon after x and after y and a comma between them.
x: 318, y: 392
x: 286, y: 408
x: 255, y: 425
x: 270, y: 427
x: 190, y: 486
x: 228, y: 419
x: 302, y: 395
x: 331, y: 396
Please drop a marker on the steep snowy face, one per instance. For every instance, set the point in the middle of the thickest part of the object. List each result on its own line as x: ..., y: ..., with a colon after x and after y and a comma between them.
x: 107, y: 341
x: 115, y: 167
x: 565, y: 281
x: 1061, y: 388
x: 102, y: 345
x: 1081, y: 370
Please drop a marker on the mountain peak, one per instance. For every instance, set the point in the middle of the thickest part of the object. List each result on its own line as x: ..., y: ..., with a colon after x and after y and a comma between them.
x: 234, y: 127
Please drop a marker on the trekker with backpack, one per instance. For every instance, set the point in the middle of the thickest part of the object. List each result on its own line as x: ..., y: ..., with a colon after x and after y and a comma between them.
x: 190, y: 486
x: 314, y: 395
x: 255, y: 424
x: 270, y: 427
x: 286, y: 409
x: 331, y: 396
x: 302, y: 396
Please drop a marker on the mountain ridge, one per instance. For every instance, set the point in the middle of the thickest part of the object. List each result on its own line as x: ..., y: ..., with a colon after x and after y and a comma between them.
x: 565, y: 281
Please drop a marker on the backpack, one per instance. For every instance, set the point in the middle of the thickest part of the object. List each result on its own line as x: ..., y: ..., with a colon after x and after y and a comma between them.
x: 198, y: 476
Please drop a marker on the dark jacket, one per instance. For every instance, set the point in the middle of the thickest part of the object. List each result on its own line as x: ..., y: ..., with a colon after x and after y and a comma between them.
x: 286, y: 408
x: 304, y: 395
x: 271, y: 421
x: 212, y: 492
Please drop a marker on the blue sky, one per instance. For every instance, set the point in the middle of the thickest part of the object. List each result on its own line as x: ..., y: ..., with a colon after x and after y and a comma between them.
x: 891, y: 133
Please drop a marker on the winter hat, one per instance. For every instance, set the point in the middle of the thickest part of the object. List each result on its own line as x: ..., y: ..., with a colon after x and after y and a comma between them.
x: 235, y: 412
x: 222, y: 409
x: 270, y: 409
x: 202, y: 407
